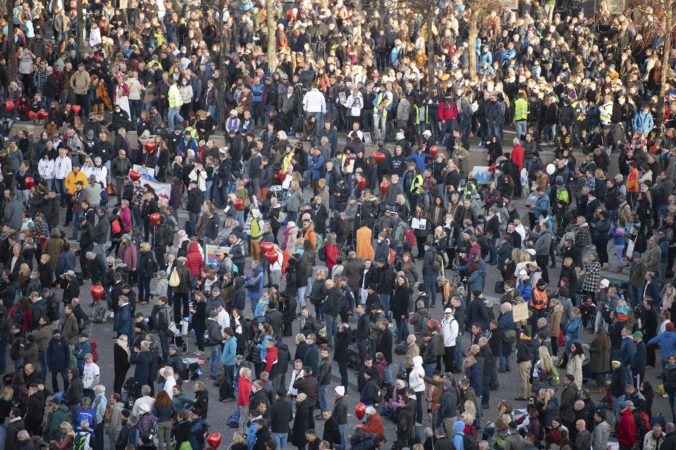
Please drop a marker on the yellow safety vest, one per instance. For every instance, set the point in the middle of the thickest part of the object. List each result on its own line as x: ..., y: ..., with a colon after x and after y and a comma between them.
x: 416, y: 184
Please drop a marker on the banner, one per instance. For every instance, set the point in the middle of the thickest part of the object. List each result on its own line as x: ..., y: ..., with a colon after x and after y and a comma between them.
x: 212, y: 252
x: 163, y: 190
x: 146, y: 172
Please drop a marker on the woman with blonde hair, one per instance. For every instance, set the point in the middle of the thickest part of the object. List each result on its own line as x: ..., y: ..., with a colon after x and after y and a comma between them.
x: 67, y: 437
x: 6, y: 402
x: 545, y: 370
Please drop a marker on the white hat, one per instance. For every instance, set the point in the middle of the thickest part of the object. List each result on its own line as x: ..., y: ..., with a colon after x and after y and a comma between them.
x: 427, y: 133
x: 340, y: 390
x: 523, y: 274
x: 605, y: 283
x: 371, y: 411
x: 448, y: 310
x: 531, y: 251
x: 144, y: 408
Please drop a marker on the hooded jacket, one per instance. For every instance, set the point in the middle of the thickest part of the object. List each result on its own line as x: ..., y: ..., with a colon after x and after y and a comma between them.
x: 416, y: 378
x: 458, y: 432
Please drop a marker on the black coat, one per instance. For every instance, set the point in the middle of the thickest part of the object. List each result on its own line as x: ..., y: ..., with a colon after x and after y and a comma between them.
x: 303, y: 422
x: 331, y: 432
x: 400, y: 302
x: 280, y: 416
x: 34, y: 413
x: 384, y: 344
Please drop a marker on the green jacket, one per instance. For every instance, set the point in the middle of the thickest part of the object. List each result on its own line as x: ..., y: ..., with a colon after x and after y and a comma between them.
x: 59, y: 415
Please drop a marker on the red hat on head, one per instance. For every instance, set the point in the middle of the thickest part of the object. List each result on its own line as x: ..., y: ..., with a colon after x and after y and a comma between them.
x: 670, y: 326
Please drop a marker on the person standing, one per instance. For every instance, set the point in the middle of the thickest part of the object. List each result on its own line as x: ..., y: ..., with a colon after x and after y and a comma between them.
x: 280, y: 417
x: 524, y: 359
x: 449, y: 329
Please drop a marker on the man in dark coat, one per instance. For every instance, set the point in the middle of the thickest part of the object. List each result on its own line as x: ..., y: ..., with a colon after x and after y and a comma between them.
x: 303, y: 420
x: 35, y: 410
x: 331, y: 430
x: 384, y: 344
x: 13, y: 427
x: 262, y: 435
x: 275, y: 318
x: 143, y: 359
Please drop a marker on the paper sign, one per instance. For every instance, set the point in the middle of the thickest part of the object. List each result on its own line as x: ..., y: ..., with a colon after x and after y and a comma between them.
x: 419, y: 224
x: 520, y: 312
x: 482, y: 175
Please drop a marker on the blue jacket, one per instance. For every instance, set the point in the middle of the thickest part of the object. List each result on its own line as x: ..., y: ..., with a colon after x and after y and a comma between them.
x: 542, y: 203
x: 627, y: 351
x: 667, y: 343
x: 254, y: 283
x: 526, y: 291
x: 419, y: 159
x: 79, y: 352
x: 476, y: 281
x: 229, y: 355
x: 316, y: 164
x: 573, y: 329
x: 488, y: 57
x: 458, y: 432
x: 475, y: 376
x: 144, y: 365
x: 643, y: 122
x: 122, y: 322
x: 257, y: 92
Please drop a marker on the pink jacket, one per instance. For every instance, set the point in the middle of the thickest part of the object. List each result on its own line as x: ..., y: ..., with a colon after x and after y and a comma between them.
x: 128, y: 255
x: 125, y: 215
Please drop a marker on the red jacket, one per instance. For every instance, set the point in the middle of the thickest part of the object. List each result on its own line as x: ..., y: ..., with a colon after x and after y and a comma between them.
x: 270, y: 358
x: 243, y: 391
x: 626, y: 429
x: 194, y: 259
x: 517, y: 156
x: 332, y: 253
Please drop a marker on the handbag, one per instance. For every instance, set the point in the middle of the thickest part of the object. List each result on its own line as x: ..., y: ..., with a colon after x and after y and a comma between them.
x: 174, y: 279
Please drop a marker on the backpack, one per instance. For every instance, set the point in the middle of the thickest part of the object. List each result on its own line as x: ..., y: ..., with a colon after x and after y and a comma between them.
x: 115, y: 226
x: 321, y: 254
x: 410, y: 237
x: 642, y: 424
x: 562, y: 195
x: 95, y: 353
x: 553, y: 378
x: 468, y: 442
x: 174, y: 279
x: 81, y: 440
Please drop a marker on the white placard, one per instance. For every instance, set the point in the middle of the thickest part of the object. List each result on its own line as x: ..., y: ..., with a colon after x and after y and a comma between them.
x: 419, y: 224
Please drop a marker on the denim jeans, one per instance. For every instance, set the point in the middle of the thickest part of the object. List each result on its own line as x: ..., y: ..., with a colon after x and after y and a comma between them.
x: 229, y: 373
x: 330, y: 328
x: 343, y: 441
x: 172, y: 115
x: 214, y: 360
x: 419, y: 407
x: 143, y: 288
x: 385, y: 300
x: 280, y: 439
x: 521, y: 128
x: 76, y: 223
x: 324, y: 396
x: 42, y: 359
x: 431, y: 284
x: 320, y: 119
x: 301, y: 296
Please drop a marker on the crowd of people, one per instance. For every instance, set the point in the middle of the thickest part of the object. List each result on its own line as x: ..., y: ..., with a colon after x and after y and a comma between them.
x: 224, y: 208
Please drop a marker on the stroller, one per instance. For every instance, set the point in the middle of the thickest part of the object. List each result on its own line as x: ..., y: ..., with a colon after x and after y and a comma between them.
x: 131, y: 390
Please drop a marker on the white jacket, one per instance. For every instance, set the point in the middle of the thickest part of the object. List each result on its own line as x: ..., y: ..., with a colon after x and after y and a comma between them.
x: 62, y: 167
x: 90, y: 375
x: 46, y: 169
x: 416, y: 379
x: 314, y: 102
x: 200, y: 179
x: 449, y: 328
x: 101, y: 174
